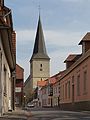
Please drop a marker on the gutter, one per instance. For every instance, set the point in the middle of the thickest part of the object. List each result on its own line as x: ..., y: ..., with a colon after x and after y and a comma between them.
x: 7, y: 47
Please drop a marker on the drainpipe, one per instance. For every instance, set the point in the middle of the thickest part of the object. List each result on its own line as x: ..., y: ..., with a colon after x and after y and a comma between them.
x: 0, y: 83
x: 13, y: 89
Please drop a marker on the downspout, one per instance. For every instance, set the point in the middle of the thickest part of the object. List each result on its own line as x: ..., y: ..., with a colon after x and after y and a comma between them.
x: 13, y: 78
x: 0, y: 83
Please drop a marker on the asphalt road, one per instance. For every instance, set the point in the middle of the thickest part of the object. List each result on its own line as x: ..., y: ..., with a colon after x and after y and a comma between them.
x: 53, y: 114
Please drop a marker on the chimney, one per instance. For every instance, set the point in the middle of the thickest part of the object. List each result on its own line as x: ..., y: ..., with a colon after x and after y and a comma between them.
x: 14, y: 43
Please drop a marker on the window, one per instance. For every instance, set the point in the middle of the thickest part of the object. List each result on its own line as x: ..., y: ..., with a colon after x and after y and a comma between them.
x: 78, y: 85
x: 68, y: 89
x: 61, y: 92
x: 5, y: 73
x: 49, y: 100
x: 41, y: 67
x: 85, y: 82
x: 72, y: 79
x: 18, y: 81
x: 65, y: 90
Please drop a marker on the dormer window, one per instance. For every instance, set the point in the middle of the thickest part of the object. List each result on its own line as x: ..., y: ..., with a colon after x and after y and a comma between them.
x: 85, y: 42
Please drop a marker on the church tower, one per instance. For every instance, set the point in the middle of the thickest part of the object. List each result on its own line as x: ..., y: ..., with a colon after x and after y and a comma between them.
x: 40, y: 61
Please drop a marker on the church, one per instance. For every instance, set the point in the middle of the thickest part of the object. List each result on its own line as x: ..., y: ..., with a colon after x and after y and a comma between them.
x: 39, y: 62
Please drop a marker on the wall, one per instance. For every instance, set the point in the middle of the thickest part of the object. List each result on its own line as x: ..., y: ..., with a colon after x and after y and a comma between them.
x: 38, y: 72
x: 5, y: 82
x: 19, y: 85
x: 77, y: 95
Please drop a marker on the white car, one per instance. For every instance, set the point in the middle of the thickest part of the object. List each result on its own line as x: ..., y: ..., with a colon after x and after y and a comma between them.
x: 30, y: 105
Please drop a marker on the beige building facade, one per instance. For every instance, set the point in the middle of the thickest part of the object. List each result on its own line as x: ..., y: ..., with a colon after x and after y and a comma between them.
x: 40, y: 70
x: 28, y: 90
x: 7, y: 60
x: 5, y: 81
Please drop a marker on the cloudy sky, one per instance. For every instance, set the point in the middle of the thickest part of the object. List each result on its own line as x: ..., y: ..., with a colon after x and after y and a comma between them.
x: 64, y: 22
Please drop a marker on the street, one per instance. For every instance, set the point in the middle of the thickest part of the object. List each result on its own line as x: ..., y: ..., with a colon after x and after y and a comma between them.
x: 46, y: 114
x: 51, y: 114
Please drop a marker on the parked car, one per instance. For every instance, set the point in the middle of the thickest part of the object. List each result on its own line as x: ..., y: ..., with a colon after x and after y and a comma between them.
x: 30, y: 105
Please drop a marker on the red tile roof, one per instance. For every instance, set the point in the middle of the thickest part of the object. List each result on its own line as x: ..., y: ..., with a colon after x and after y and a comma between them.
x: 41, y: 83
x: 52, y: 80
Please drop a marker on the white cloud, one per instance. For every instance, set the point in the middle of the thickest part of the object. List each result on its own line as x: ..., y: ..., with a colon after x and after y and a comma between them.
x: 61, y: 38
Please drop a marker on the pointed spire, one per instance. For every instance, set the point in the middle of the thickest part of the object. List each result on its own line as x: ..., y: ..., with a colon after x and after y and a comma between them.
x: 39, y: 50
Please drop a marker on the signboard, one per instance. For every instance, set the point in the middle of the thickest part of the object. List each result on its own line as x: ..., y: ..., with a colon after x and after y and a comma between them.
x: 18, y: 89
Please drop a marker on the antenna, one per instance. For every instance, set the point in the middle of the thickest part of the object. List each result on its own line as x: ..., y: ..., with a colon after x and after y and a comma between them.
x: 39, y: 8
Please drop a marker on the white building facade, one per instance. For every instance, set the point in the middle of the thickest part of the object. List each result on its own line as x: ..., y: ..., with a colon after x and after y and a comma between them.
x: 7, y: 60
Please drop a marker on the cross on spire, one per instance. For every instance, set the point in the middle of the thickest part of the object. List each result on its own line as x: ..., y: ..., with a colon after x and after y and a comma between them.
x: 39, y: 8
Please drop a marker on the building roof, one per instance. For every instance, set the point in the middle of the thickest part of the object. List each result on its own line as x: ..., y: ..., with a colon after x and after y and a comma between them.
x: 41, y: 83
x: 6, y: 29
x: 27, y: 80
x: 19, y: 66
x: 72, y: 57
x: 85, y: 38
x: 19, y: 72
x: 77, y: 63
x: 52, y: 80
x: 39, y: 50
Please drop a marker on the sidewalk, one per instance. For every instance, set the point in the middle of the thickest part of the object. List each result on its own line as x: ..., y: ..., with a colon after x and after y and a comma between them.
x: 18, y: 114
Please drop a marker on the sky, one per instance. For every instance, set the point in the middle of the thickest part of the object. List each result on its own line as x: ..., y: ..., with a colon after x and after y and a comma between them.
x: 64, y: 22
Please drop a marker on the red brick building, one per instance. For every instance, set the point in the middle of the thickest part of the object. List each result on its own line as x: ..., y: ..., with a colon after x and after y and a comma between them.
x: 75, y: 82
x: 19, y: 85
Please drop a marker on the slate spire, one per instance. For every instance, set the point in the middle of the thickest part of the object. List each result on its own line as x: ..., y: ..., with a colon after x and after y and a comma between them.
x: 39, y: 50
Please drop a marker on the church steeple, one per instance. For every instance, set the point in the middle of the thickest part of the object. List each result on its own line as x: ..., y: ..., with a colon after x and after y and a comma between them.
x: 39, y: 50
x: 40, y: 61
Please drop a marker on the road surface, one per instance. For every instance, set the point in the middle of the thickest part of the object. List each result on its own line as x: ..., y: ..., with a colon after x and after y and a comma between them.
x: 53, y: 114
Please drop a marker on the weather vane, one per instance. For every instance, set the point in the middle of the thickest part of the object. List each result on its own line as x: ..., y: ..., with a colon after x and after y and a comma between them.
x: 39, y: 8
